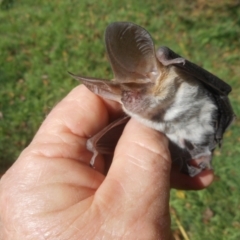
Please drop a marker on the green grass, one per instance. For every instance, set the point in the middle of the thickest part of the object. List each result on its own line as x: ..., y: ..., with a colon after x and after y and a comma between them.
x: 41, y: 40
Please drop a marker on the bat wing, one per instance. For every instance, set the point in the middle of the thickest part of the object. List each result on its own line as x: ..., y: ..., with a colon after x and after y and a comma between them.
x: 168, y: 57
x: 217, y: 87
x: 105, y: 141
x: 131, y: 53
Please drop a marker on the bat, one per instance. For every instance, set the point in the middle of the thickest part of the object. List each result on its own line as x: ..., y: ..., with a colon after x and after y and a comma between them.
x: 165, y: 92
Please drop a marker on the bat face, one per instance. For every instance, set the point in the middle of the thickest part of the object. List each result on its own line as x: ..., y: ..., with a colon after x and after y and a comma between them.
x: 165, y: 92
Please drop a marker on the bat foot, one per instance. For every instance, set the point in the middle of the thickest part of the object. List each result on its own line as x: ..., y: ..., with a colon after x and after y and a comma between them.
x: 200, y: 165
x: 205, y: 165
x: 204, y: 162
x: 193, y: 171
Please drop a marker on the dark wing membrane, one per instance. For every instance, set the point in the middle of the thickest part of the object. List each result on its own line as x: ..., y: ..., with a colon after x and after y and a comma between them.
x: 226, y: 116
x: 131, y: 52
x: 212, y: 81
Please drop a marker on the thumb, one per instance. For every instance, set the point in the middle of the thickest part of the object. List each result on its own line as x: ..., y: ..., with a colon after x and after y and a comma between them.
x: 138, y: 181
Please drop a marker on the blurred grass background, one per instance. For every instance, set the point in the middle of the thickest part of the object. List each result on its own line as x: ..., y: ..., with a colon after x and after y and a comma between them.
x: 41, y: 40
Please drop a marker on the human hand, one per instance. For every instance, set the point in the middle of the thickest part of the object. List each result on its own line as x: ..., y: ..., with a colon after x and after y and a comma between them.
x: 51, y: 192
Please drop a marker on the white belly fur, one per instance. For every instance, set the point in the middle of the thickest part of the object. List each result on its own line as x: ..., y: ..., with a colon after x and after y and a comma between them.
x: 196, y: 121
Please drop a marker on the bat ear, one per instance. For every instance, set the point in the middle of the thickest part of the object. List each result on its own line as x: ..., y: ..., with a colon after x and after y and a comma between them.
x: 104, y: 88
x: 131, y: 52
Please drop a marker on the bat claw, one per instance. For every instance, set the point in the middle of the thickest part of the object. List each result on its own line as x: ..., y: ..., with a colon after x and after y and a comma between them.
x: 92, y: 166
x: 205, y: 165
x: 92, y: 161
x: 193, y: 171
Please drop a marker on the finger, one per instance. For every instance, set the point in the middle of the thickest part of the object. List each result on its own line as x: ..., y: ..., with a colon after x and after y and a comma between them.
x: 54, y: 167
x: 139, y: 177
x: 60, y: 144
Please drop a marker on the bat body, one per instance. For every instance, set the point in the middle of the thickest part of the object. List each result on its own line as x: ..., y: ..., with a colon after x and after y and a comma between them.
x: 165, y: 92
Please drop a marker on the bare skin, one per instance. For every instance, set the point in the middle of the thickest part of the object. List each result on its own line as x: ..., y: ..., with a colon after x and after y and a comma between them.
x: 51, y: 192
